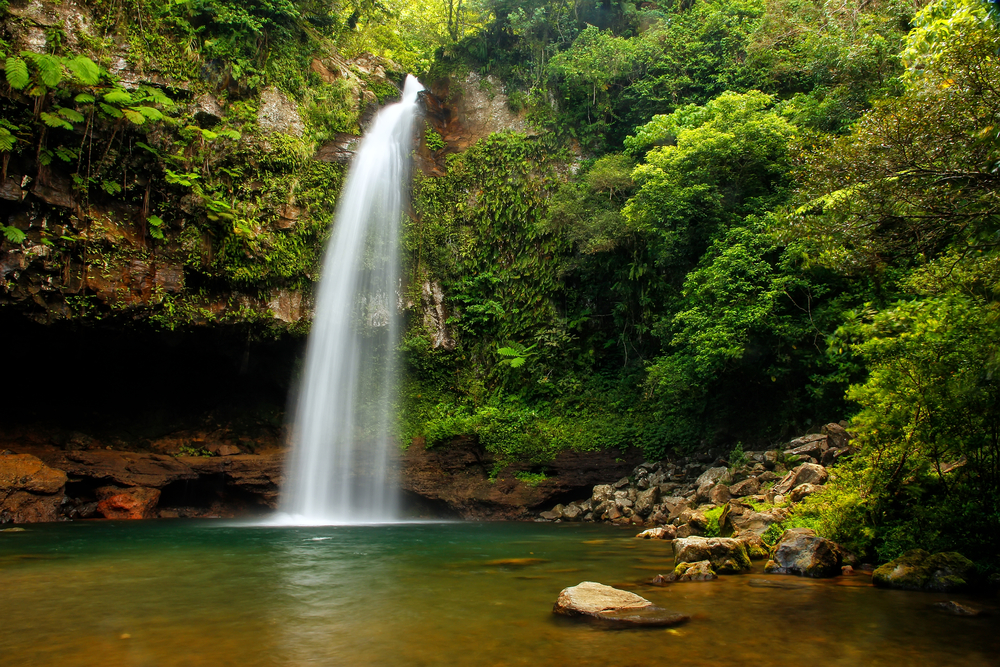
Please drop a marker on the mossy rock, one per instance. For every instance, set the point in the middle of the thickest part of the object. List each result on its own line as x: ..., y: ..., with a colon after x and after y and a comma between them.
x: 918, y: 570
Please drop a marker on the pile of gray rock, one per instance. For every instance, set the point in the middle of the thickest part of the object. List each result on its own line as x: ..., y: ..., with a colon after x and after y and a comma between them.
x: 676, y: 495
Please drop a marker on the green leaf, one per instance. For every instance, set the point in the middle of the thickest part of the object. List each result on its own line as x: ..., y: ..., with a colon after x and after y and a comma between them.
x: 86, y: 70
x: 17, y: 73
x: 155, y: 220
x: 149, y: 112
x: 147, y: 147
x: 7, y: 140
x: 72, y: 115
x: 134, y: 116
x: 111, y: 111
x: 53, y: 120
x: 50, y: 68
x: 230, y: 134
x: 111, y: 187
x: 45, y: 157
x: 156, y: 233
x: 118, y: 96
x: 84, y: 98
x: 66, y: 154
x: 14, y: 235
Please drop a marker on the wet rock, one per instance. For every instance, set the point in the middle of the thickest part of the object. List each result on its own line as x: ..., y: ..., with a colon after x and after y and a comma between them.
x: 700, y: 571
x: 944, y: 572
x: 30, y: 490
x: 719, y: 495
x: 572, y: 512
x: 621, y: 484
x: 755, y: 544
x: 549, y: 515
x: 123, y: 468
x: 278, y: 113
x: 340, y: 149
x: 837, y: 436
x: 801, y: 491
x: 714, y: 476
x: 957, y: 609
x: 809, y: 445
x: 727, y: 555
x: 800, y: 551
x: 747, y: 487
x: 740, y: 518
x: 646, y: 500
x: 807, y: 473
x: 432, y: 302
x: 129, y: 503
x: 660, y: 533
x: 613, y: 606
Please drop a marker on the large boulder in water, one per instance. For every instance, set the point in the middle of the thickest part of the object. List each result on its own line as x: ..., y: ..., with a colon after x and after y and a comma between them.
x: 917, y: 570
x: 613, y: 606
x: 800, y: 551
x: 30, y: 491
x: 727, y: 555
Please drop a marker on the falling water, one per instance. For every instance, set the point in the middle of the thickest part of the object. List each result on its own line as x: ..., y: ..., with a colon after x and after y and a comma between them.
x: 338, y: 472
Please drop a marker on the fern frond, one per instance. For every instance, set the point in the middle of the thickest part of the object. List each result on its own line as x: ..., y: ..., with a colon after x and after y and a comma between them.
x: 85, y: 70
x: 134, y: 116
x: 118, y: 96
x: 72, y: 115
x: 17, y: 73
x: 53, y: 120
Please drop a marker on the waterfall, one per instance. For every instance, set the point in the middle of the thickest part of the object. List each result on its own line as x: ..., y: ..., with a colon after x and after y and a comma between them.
x: 338, y: 470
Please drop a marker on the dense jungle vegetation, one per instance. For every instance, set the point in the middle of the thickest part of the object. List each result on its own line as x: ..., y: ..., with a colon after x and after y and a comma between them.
x: 735, y: 219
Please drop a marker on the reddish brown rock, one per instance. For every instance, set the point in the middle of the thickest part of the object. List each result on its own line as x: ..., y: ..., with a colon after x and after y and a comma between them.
x: 124, y: 468
x: 30, y: 491
x: 456, y: 478
x: 131, y: 503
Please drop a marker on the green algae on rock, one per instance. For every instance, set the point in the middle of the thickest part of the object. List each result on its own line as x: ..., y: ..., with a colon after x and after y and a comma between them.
x: 918, y: 570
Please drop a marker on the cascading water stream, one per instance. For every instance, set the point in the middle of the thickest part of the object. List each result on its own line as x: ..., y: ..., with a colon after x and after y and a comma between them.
x: 338, y: 471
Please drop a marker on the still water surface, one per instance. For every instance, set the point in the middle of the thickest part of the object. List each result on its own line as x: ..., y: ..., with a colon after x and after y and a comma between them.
x: 196, y: 593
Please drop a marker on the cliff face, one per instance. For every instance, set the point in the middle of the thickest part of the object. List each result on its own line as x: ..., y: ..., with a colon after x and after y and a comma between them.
x: 141, y: 184
x: 162, y: 217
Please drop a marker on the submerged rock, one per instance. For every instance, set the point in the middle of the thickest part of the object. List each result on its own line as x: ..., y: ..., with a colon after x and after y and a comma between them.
x: 800, y: 551
x: 613, y: 606
x: 917, y: 570
x: 727, y: 555
x: 957, y: 609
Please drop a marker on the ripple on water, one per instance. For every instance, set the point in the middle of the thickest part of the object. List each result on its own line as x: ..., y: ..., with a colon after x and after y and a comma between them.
x: 212, y: 594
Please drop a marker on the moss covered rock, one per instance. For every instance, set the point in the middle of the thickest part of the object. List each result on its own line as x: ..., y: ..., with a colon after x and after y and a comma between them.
x: 727, y: 555
x: 918, y: 570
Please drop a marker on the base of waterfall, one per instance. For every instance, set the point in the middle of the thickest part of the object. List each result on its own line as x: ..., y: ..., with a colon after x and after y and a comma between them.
x: 283, y: 519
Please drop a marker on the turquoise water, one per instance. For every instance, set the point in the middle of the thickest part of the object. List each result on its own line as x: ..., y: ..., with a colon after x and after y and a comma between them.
x: 211, y: 593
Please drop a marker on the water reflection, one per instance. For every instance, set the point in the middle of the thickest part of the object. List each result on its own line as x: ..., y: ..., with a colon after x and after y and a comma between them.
x: 198, y: 593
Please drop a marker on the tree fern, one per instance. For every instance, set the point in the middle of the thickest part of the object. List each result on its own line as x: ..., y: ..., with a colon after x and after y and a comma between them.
x: 85, y: 70
x: 17, y: 73
x: 50, y: 68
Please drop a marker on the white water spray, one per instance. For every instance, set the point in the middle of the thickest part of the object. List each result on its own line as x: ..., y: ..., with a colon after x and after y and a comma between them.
x: 338, y: 472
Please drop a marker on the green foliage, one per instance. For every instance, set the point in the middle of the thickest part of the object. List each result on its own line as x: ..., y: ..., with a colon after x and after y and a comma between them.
x: 13, y: 234
x: 712, y: 521
x: 530, y: 478
x: 434, y: 141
